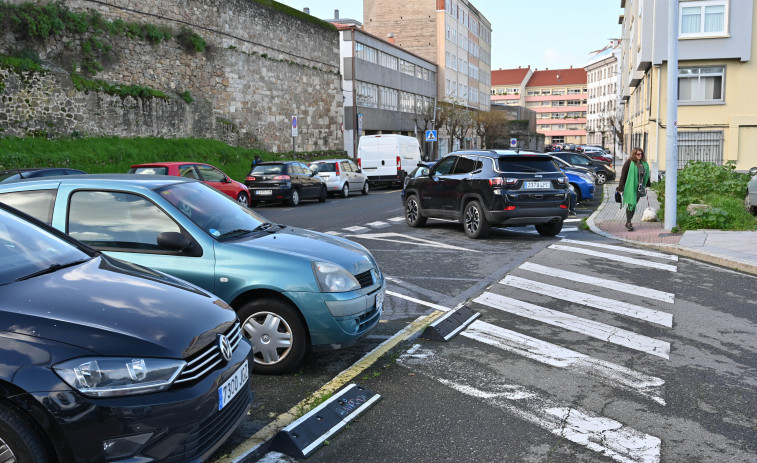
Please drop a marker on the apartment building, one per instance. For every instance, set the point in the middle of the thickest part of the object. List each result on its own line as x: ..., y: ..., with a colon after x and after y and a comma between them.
x: 603, y: 115
x: 386, y: 89
x: 557, y: 96
x: 451, y: 33
x: 717, y: 120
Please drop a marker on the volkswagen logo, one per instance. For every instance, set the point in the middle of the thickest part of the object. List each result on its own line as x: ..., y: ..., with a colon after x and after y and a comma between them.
x: 224, y: 346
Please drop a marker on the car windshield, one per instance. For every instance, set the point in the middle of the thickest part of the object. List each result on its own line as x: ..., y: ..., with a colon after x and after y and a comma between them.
x: 26, y: 250
x: 323, y: 167
x: 156, y: 170
x: 525, y: 163
x: 268, y: 169
x: 9, y: 176
x: 216, y: 213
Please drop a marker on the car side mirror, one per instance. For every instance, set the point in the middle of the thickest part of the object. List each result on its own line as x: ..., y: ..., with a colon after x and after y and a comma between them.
x: 227, y: 180
x: 173, y: 240
x: 753, y: 171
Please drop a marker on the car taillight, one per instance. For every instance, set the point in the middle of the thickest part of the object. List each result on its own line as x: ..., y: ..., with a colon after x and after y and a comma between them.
x: 399, y: 164
x: 250, y: 178
x: 499, y: 181
x: 282, y: 177
x: 336, y: 169
x: 510, y: 208
x: 563, y: 206
x: 359, y: 162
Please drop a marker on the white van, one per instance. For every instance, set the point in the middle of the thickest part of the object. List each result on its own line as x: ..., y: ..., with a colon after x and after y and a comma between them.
x: 386, y: 159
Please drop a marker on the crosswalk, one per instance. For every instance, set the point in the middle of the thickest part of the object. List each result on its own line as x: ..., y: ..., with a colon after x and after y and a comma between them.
x: 573, y: 303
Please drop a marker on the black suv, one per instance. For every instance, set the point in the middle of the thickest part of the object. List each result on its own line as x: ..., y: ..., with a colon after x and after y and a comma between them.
x: 485, y: 188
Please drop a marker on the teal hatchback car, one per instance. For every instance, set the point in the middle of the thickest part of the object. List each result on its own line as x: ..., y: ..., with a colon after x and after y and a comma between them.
x: 293, y: 289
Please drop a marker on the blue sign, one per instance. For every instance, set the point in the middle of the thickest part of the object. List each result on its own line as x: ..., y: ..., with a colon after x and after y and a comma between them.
x: 513, y: 142
x: 294, y: 126
x: 430, y: 135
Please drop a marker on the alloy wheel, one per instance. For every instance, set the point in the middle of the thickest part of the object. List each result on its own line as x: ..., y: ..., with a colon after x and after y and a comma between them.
x: 6, y: 453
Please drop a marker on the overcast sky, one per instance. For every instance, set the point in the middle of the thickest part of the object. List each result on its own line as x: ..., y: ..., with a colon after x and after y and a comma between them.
x: 540, y: 33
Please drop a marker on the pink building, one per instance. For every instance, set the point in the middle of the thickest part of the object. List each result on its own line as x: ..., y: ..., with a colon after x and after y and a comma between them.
x: 557, y: 96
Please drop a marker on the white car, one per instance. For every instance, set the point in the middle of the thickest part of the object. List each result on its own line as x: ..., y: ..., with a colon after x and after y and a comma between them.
x: 342, y: 176
x: 750, y: 201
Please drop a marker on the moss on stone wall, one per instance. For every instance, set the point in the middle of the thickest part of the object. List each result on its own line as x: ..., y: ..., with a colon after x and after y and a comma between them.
x: 295, y: 13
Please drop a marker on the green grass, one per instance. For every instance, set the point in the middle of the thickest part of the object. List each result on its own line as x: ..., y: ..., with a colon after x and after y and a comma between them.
x: 115, y: 155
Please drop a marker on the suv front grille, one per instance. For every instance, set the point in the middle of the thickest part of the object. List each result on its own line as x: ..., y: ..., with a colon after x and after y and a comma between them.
x: 206, y: 360
x: 365, y: 279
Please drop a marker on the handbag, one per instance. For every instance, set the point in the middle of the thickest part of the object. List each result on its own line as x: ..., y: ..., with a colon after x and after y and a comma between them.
x: 618, y: 197
x: 649, y: 215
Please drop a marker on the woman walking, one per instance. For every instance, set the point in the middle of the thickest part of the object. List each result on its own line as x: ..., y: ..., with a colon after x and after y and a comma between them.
x: 634, y: 180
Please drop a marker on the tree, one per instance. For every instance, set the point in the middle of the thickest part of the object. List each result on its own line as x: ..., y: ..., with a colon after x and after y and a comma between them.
x: 489, y: 125
x: 455, y: 119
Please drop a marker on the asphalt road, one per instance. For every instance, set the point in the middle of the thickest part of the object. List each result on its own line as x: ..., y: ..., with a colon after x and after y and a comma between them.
x: 586, y: 349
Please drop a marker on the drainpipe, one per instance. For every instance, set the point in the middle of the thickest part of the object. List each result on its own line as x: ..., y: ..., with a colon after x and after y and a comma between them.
x: 355, y: 133
x: 657, y: 122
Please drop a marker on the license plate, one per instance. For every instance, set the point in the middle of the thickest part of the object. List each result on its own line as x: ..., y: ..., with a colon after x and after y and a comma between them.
x: 379, y: 300
x: 539, y: 185
x: 233, y: 385
x: 263, y: 192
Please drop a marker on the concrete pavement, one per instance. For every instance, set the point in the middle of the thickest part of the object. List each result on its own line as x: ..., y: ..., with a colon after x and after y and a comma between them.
x: 733, y: 249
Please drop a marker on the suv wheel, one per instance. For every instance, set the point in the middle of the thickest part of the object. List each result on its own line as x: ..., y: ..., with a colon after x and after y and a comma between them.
x: 413, y: 215
x: 345, y: 190
x: 474, y: 221
x: 276, y: 332
x: 601, y: 178
x: 549, y: 229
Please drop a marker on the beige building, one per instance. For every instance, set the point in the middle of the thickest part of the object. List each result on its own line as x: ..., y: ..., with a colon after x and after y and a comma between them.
x: 603, y: 115
x: 717, y: 107
x: 451, y: 33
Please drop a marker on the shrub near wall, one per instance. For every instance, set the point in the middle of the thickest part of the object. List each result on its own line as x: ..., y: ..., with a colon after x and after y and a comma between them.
x: 257, y: 69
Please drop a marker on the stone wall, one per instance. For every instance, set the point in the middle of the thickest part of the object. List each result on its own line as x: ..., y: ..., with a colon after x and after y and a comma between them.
x: 260, y: 68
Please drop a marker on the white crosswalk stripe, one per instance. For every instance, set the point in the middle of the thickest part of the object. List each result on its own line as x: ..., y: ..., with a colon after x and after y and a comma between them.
x: 597, y: 433
x: 641, y: 252
x: 396, y: 219
x: 615, y: 257
x: 601, y: 282
x: 569, y: 322
x: 378, y: 224
x: 355, y: 229
x: 601, y: 303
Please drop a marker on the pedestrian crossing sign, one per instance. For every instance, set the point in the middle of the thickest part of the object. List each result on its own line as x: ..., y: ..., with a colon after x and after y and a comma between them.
x: 430, y: 135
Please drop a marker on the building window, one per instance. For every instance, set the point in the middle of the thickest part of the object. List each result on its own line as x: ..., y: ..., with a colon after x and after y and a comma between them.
x: 367, y: 95
x: 703, y: 18
x: 388, y: 60
x: 366, y: 53
x: 701, y: 85
x: 407, y: 102
x: 388, y: 98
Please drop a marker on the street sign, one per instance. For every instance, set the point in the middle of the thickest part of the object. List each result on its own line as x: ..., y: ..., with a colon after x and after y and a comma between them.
x: 430, y: 135
x: 359, y: 123
x: 294, y: 126
x: 513, y: 143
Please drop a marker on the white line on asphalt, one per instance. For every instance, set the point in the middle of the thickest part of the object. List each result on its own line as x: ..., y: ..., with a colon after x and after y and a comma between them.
x: 615, y: 257
x: 407, y: 239
x: 641, y: 252
x: 335, y: 233
x: 355, y: 229
x: 378, y: 224
x: 560, y: 357
x: 597, y: 302
x: 418, y: 301
x: 604, y: 283
x: 396, y: 219
x: 569, y: 322
x: 571, y: 220
x: 597, y: 433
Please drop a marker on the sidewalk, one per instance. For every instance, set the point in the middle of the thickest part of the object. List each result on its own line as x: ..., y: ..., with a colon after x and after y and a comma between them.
x: 732, y: 249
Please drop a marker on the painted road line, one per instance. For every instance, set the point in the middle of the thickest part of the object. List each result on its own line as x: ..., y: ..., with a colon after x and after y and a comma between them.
x: 550, y: 354
x: 407, y: 239
x: 378, y: 224
x: 615, y: 257
x: 254, y: 442
x: 355, y: 229
x: 602, y: 303
x: 641, y: 252
x: 596, y: 433
x: 569, y: 322
x: 601, y: 282
x: 396, y: 219
x: 571, y: 220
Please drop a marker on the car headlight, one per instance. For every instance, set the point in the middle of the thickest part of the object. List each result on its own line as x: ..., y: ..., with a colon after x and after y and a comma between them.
x: 333, y: 278
x: 114, y: 376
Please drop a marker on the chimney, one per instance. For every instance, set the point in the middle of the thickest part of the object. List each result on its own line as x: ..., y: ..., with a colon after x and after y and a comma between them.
x: 336, y: 14
x: 390, y: 37
x: 306, y: 10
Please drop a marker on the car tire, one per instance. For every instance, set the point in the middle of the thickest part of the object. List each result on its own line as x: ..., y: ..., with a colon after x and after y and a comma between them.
x: 277, y: 334
x: 751, y: 208
x: 413, y: 215
x: 549, y: 229
x: 243, y: 199
x: 366, y: 187
x: 601, y: 177
x: 474, y: 221
x: 322, y: 195
x: 18, y: 440
x: 577, y: 191
x: 295, y: 199
x: 345, y: 190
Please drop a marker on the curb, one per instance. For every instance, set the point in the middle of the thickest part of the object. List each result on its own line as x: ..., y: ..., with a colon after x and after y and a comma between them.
x: 676, y: 249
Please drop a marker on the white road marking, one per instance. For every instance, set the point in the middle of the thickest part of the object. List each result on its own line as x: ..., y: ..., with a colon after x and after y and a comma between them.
x: 571, y: 220
x: 560, y: 357
x: 407, y: 239
x: 597, y: 433
x: 355, y: 229
x: 604, y: 283
x: 418, y: 301
x: 641, y: 252
x: 335, y: 233
x: 615, y: 257
x: 396, y: 219
x: 378, y: 224
x: 569, y: 322
x: 598, y: 302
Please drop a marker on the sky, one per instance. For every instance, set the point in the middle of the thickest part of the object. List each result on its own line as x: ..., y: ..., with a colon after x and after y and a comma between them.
x: 552, y: 34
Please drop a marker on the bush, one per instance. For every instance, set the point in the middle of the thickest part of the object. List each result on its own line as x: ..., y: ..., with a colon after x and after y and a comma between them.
x: 186, y: 96
x: 191, y: 40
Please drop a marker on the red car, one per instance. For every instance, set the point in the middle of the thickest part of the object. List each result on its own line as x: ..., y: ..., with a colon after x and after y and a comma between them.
x: 204, y: 172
